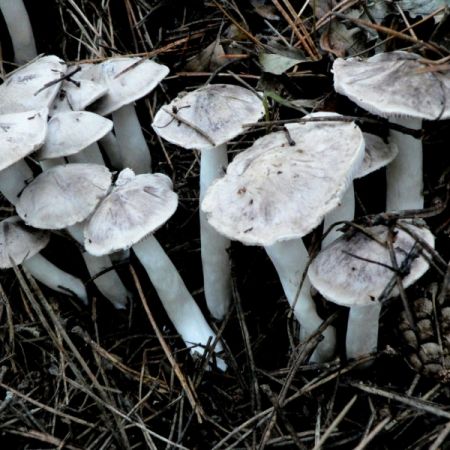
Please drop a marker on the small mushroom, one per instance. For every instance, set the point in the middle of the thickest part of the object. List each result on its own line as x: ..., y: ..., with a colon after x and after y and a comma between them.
x: 32, y: 87
x: 72, y: 132
x: 397, y: 85
x: 205, y: 120
x: 355, y: 270
x: 20, y: 134
x: 20, y: 244
x: 140, y: 204
x: 128, y: 79
x: 63, y: 195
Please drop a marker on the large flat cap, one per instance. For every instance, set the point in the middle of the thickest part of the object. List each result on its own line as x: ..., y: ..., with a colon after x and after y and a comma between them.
x: 281, y: 188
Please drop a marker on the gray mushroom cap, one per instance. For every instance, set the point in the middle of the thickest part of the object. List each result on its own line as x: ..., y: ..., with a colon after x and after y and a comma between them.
x: 275, y: 191
x: 127, y: 80
x: 219, y: 111
x: 72, y: 131
x: 32, y: 87
x: 19, y: 242
x: 378, y: 154
x: 394, y: 84
x: 63, y: 195
x: 21, y: 134
x: 355, y: 268
x: 137, y: 206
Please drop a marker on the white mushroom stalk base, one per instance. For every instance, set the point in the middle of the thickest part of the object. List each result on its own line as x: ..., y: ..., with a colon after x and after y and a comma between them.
x: 290, y: 259
x: 344, y: 212
x: 134, y: 151
x: 214, y: 247
x: 181, y: 308
x: 362, y: 330
x: 111, y: 147
x: 404, y: 175
x: 55, y: 278
x: 109, y: 283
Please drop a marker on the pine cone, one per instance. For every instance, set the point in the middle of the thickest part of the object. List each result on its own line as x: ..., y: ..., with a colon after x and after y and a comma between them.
x: 427, y: 341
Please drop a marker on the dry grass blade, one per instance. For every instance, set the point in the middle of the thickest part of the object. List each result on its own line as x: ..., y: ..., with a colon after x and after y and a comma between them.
x: 417, y: 403
x: 51, y: 410
x: 376, y: 429
x: 335, y: 423
x: 187, y: 387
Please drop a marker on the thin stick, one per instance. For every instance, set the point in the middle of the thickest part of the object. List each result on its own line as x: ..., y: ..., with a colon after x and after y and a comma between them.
x: 181, y: 378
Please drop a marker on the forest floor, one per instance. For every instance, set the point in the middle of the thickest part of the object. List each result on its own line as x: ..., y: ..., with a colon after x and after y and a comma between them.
x: 92, y: 378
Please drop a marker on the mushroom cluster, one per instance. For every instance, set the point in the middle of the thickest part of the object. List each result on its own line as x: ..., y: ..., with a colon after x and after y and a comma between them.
x: 272, y: 194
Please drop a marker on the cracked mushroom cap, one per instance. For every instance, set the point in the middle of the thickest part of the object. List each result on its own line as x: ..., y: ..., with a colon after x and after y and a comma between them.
x: 277, y: 190
x: 217, y: 113
x: 21, y: 134
x: 356, y: 268
x: 127, y: 80
x: 378, y: 154
x: 63, y: 195
x: 137, y: 206
x: 33, y: 86
x: 19, y: 242
x: 70, y: 132
x: 394, y: 84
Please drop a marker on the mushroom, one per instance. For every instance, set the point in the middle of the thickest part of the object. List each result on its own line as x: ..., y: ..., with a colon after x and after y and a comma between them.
x: 20, y: 30
x: 20, y: 134
x: 279, y: 190
x: 140, y: 204
x: 75, y: 134
x: 21, y: 245
x: 398, y: 86
x: 63, y: 195
x: 355, y: 269
x: 377, y: 154
x: 128, y: 79
x: 32, y: 87
x: 206, y: 119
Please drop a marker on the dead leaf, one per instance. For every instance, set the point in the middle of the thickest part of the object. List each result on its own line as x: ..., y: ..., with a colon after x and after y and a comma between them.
x: 277, y: 64
x: 265, y: 9
x: 209, y: 59
x: 340, y: 41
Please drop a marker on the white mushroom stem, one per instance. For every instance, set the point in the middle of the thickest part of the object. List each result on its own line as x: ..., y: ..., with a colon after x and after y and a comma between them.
x: 13, y: 180
x: 290, y: 259
x: 404, y: 174
x: 214, y: 247
x: 109, y: 283
x: 362, y: 330
x: 344, y: 212
x: 91, y: 154
x: 181, y: 308
x: 111, y: 147
x: 134, y: 151
x: 55, y: 278
x: 19, y: 27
